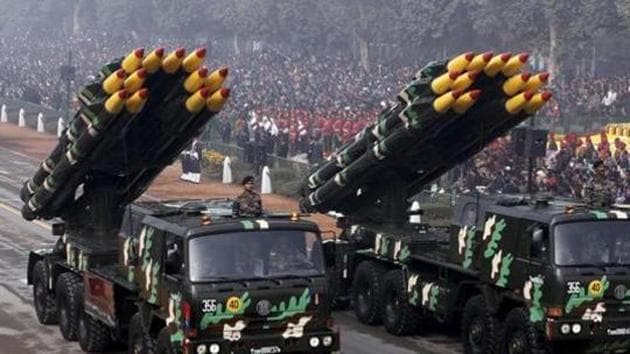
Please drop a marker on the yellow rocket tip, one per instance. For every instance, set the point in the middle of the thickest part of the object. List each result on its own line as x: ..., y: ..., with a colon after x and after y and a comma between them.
x: 114, y: 81
x: 196, y: 80
x: 537, y: 81
x: 194, y: 60
x: 514, y: 64
x: 195, y: 103
x: 446, y: 101
x: 115, y: 103
x: 215, y: 79
x: 460, y: 62
x: 537, y: 101
x: 217, y: 100
x: 465, y: 80
x: 515, y: 84
x: 479, y: 62
x: 443, y: 83
x: 465, y: 101
x: 518, y: 102
x: 136, y: 102
x: 132, y: 61
x: 173, y: 61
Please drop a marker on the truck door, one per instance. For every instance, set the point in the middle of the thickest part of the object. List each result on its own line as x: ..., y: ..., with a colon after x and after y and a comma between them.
x: 499, y: 243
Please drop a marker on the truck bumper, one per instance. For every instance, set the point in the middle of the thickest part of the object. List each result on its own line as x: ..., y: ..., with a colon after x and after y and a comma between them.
x: 268, y: 344
x: 608, y: 335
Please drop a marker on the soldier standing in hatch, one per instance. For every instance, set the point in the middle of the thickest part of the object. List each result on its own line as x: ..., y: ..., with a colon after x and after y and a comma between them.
x: 248, y: 204
x: 599, y: 192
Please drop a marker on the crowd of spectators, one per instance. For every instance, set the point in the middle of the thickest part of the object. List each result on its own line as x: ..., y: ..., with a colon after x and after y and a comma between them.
x: 565, y: 170
x: 326, y: 87
x: 289, y: 105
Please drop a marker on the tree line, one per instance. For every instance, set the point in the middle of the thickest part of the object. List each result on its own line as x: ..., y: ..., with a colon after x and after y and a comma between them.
x: 576, y: 37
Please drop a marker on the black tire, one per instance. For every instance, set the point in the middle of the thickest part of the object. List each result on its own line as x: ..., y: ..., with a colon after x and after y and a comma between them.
x: 140, y: 341
x: 43, y: 299
x: 164, y: 342
x: 69, y: 304
x: 480, y: 329
x: 519, y: 337
x: 93, y: 335
x: 366, y: 292
x: 398, y: 315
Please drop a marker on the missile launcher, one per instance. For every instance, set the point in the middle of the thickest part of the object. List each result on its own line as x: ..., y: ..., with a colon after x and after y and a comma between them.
x: 134, y: 120
x: 450, y: 111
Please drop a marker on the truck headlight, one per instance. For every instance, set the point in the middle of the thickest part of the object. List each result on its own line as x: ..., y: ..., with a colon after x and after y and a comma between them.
x: 314, y: 342
x: 215, y: 348
x: 576, y: 328
x: 202, y: 349
x: 327, y: 341
x: 565, y: 328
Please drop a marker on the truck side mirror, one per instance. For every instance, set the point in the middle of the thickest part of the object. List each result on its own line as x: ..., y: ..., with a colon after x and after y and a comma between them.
x: 538, y: 247
x: 537, y: 236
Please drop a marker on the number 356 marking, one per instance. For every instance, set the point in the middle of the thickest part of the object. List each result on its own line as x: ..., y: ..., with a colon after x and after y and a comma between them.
x: 209, y: 305
x: 574, y: 287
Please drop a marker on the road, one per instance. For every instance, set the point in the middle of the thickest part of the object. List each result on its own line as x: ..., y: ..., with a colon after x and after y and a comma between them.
x: 21, y: 333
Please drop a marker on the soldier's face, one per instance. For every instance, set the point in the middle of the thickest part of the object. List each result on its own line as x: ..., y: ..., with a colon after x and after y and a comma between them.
x: 249, y: 186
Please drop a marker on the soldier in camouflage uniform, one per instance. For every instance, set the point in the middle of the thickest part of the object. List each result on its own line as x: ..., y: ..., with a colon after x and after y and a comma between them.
x: 599, y: 192
x: 248, y: 204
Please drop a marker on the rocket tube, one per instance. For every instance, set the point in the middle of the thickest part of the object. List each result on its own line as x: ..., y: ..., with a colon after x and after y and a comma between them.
x: 387, y: 122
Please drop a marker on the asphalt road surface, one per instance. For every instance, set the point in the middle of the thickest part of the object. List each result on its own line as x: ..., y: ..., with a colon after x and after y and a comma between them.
x: 21, y: 333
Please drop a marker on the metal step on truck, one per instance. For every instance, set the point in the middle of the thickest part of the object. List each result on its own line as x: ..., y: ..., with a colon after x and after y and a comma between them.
x: 183, y: 276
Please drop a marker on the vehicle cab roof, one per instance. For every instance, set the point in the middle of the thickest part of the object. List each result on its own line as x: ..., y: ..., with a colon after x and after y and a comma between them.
x: 190, y: 217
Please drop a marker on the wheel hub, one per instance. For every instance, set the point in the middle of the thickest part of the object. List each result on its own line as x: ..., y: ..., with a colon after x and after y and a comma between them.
x: 476, y: 335
x: 517, y: 343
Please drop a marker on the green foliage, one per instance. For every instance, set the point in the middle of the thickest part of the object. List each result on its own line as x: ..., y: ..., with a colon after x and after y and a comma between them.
x: 295, y: 306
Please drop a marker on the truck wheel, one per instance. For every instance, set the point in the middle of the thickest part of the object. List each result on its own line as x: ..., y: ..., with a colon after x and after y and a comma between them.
x: 164, y: 345
x: 69, y: 304
x: 366, y: 292
x: 93, y: 334
x: 140, y: 342
x: 44, y: 300
x: 519, y: 337
x: 399, y: 317
x: 480, y: 329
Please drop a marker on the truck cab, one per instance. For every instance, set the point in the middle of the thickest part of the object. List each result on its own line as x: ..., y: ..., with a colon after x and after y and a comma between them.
x: 564, y: 263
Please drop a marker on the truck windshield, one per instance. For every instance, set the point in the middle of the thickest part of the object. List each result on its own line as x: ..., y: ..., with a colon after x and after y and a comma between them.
x: 596, y: 243
x: 255, y: 254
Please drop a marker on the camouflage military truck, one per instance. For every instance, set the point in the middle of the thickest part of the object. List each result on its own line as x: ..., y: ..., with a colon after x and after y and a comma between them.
x: 166, y: 277
x: 519, y: 276
x: 187, y: 277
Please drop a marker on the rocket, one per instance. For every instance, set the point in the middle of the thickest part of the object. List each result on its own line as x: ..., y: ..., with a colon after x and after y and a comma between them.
x: 461, y: 108
x: 132, y: 122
